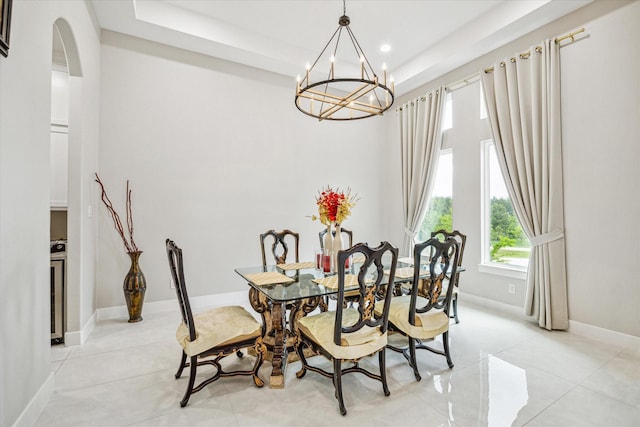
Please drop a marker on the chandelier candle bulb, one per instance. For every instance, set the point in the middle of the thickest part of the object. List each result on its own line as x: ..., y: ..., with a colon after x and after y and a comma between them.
x: 333, y: 59
x: 384, y: 71
x: 362, y: 66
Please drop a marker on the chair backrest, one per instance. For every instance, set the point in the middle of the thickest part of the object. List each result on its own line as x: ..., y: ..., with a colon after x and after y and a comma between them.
x: 443, y: 259
x: 460, y: 238
x: 372, y: 282
x: 279, y: 246
x: 174, y: 253
x: 349, y: 234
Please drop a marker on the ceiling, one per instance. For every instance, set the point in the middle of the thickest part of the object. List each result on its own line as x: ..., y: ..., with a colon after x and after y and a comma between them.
x: 427, y: 38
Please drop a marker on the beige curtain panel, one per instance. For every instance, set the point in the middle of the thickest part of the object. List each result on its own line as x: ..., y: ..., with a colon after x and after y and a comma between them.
x: 523, y: 104
x: 420, y: 136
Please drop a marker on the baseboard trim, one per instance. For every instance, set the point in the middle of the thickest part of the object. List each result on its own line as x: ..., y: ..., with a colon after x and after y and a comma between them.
x: 29, y: 416
x: 601, y: 334
x: 80, y: 337
x: 197, y: 303
x: 577, y: 328
x: 512, y: 310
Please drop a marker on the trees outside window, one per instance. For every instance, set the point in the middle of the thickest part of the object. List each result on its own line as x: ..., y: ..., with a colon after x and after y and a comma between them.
x: 505, y: 242
x: 439, y: 214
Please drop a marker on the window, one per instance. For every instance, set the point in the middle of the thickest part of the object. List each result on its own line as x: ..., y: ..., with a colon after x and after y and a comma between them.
x: 483, y: 105
x: 447, y: 120
x: 439, y: 214
x: 504, y: 242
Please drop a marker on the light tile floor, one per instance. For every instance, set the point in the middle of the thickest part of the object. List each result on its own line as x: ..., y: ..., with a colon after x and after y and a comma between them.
x: 507, y: 372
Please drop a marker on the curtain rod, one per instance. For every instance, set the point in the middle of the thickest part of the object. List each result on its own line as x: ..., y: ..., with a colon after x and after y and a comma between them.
x: 538, y: 49
x: 476, y: 76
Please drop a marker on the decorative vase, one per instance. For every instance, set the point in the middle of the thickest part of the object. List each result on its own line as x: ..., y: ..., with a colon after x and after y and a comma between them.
x: 328, y: 239
x: 327, y: 256
x: 337, y: 246
x: 134, y: 287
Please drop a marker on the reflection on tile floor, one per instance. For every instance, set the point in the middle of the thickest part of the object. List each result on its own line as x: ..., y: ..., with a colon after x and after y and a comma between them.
x: 507, y: 372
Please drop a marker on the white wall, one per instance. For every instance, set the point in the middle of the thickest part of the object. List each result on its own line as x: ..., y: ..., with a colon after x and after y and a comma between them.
x: 601, y: 124
x: 601, y: 111
x: 25, y: 90
x: 216, y: 154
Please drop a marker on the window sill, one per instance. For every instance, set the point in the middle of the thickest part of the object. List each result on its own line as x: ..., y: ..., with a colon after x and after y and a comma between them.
x: 506, y: 271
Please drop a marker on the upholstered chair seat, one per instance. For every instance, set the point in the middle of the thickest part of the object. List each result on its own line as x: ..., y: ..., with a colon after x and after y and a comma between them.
x: 320, y: 328
x: 220, y: 326
x: 427, y: 325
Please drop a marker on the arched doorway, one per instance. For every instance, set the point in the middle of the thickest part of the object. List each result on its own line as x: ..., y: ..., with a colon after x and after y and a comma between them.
x: 76, y: 262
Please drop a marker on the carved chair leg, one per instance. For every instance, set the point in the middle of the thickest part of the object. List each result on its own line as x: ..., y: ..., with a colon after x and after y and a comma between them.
x: 261, y: 352
x: 382, y: 364
x: 445, y: 344
x: 192, y: 379
x: 182, y: 363
x: 303, y: 361
x: 412, y: 356
x: 337, y: 383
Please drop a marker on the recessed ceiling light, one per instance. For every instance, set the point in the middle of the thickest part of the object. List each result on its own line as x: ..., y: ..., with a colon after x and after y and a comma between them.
x: 385, y: 48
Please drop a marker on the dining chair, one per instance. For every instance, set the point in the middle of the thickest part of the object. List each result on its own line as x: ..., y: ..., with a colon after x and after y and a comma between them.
x: 277, y: 247
x: 347, y: 335
x: 422, y: 318
x: 280, y: 245
x: 208, y: 337
x: 462, y: 240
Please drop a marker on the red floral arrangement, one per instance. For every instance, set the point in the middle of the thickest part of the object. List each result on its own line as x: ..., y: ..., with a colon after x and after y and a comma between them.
x: 334, y: 206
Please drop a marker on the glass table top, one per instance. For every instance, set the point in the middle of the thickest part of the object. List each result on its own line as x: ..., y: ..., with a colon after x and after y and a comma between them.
x: 302, y: 285
x: 300, y: 281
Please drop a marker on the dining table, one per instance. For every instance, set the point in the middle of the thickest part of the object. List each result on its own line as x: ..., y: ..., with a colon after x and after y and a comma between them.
x: 297, y: 288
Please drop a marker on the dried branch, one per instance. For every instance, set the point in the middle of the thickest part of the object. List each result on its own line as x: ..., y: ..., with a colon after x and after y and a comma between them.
x: 130, y: 219
x: 130, y: 245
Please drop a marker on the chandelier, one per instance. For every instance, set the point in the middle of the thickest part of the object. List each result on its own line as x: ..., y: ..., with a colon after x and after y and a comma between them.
x: 344, y: 98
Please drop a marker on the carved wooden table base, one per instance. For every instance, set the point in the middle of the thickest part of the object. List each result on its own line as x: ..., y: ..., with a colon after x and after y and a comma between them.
x: 279, y: 338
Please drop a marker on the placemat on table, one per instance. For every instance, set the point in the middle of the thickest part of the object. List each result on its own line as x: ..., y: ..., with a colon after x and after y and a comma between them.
x: 406, y: 260
x: 402, y: 273
x: 297, y: 266
x: 268, y: 278
x: 331, y: 282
